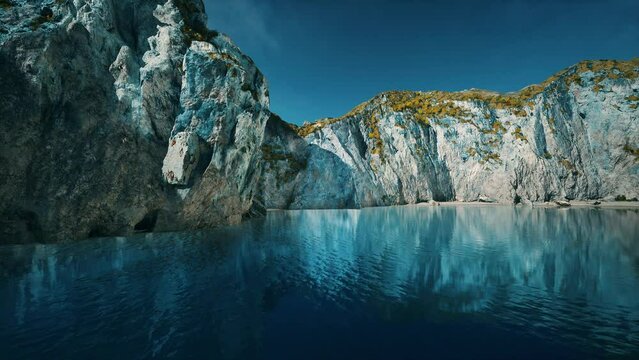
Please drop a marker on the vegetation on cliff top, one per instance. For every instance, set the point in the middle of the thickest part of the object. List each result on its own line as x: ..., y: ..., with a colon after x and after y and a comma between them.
x: 309, y: 128
x: 193, y: 28
x: 426, y: 107
x: 5, y: 4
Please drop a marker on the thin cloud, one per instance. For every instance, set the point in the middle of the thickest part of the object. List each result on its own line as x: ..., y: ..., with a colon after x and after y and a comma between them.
x: 244, y: 20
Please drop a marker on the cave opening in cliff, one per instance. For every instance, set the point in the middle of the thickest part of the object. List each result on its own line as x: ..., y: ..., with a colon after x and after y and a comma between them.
x: 98, y: 231
x: 147, y: 224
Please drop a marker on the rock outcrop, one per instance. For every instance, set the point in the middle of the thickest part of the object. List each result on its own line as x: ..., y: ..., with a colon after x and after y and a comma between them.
x: 575, y: 136
x: 299, y: 175
x: 94, y: 92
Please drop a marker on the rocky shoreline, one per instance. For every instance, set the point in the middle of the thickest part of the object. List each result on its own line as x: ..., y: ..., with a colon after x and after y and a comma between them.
x: 608, y: 205
x: 573, y: 204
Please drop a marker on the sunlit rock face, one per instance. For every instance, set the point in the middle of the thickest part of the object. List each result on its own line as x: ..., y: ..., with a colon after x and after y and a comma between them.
x: 181, y: 158
x: 299, y: 175
x: 575, y: 136
x: 224, y: 107
x: 95, y: 94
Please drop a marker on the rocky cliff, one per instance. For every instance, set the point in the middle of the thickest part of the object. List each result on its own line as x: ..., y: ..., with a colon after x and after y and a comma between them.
x: 122, y: 116
x: 575, y: 136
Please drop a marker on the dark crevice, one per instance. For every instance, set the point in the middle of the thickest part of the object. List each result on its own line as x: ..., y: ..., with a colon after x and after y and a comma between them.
x: 517, y: 200
x: 98, y: 231
x: 147, y: 224
x: 203, y: 162
x: 20, y: 227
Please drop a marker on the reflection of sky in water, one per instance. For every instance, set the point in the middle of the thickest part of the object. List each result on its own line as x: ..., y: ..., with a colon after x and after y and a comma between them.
x: 568, y: 276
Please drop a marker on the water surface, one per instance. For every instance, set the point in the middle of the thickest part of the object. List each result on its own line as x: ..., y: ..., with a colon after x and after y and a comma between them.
x: 384, y: 283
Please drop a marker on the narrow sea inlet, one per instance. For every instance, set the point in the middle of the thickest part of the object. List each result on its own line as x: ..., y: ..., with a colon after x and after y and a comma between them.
x: 381, y: 283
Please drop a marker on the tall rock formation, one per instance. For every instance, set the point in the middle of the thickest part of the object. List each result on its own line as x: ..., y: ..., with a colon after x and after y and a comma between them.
x: 575, y: 136
x: 97, y: 95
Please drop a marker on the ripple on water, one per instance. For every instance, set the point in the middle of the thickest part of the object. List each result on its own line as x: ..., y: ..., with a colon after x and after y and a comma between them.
x: 378, y: 283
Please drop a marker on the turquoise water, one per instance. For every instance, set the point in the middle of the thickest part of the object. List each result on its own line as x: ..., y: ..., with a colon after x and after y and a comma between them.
x: 383, y: 283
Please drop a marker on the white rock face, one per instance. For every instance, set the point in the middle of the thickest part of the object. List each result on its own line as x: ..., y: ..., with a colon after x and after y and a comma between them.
x: 574, y: 137
x: 181, y: 158
x: 224, y: 105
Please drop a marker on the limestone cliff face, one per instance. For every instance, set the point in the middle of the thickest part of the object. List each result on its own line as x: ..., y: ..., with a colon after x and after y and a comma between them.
x: 576, y: 136
x: 299, y: 175
x: 99, y: 99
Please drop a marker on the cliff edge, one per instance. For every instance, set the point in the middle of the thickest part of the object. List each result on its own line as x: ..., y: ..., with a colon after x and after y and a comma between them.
x: 123, y: 116
x: 575, y: 136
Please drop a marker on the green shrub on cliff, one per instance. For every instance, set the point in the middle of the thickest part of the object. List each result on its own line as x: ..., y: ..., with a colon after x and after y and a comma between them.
x: 433, y: 106
x: 6, y: 4
x: 46, y: 15
x: 519, y: 135
x: 496, y: 128
x: 193, y: 30
x: 632, y: 151
x: 373, y: 125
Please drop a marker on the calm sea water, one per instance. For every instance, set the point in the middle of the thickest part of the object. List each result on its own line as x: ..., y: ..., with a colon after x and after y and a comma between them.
x: 384, y: 283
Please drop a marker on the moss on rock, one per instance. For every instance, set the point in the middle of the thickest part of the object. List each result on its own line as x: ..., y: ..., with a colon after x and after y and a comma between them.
x: 6, y: 4
x: 631, y: 150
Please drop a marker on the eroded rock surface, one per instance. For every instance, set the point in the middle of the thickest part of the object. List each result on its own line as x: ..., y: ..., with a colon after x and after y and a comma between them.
x: 575, y: 136
x: 94, y: 92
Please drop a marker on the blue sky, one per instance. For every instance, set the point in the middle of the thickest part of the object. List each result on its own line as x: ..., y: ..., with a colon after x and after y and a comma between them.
x: 323, y: 57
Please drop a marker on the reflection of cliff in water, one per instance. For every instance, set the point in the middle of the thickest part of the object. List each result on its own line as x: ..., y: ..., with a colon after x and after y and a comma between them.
x: 565, y: 253
x: 567, y: 272
x: 551, y: 268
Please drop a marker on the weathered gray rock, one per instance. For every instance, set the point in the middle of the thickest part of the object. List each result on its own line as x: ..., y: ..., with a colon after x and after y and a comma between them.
x: 576, y: 136
x: 224, y: 108
x: 181, y: 159
x: 298, y: 175
x: 485, y: 199
x: 94, y: 92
